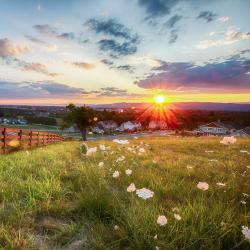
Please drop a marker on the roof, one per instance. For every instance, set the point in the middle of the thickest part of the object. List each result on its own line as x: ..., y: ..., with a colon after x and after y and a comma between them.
x: 217, y: 125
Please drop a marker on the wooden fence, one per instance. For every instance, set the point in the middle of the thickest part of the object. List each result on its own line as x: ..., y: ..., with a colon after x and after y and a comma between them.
x: 11, y: 138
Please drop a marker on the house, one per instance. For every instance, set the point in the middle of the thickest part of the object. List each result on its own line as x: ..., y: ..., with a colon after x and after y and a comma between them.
x: 154, y: 125
x: 245, y: 132
x: 215, y: 128
x: 107, y: 126
x: 129, y: 126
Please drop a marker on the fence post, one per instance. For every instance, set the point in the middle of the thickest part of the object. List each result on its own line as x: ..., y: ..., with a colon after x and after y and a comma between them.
x: 4, y: 140
x: 38, y: 138
x: 30, y: 138
x: 20, y: 134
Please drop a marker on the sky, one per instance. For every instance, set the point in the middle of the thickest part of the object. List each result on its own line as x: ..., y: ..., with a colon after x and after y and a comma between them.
x: 54, y: 52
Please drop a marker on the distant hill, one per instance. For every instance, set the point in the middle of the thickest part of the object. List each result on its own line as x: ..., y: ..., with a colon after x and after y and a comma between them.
x: 181, y: 105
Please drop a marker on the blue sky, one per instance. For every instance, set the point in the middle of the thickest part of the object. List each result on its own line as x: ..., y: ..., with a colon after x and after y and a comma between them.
x: 95, y: 51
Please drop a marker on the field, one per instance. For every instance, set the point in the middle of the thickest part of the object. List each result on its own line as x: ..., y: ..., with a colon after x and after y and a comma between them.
x: 55, y: 197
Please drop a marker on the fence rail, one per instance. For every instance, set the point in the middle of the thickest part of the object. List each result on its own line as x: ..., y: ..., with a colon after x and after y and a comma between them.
x: 11, y: 138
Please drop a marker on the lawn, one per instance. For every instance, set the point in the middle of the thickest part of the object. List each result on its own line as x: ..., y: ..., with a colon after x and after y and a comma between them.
x: 55, y: 197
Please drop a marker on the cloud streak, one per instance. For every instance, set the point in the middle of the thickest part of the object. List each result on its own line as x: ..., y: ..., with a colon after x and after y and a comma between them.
x: 230, y: 75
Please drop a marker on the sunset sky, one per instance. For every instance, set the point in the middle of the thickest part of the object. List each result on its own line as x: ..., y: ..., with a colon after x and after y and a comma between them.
x: 106, y: 51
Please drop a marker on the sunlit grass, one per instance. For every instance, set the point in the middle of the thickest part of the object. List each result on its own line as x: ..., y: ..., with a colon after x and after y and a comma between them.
x: 53, y: 196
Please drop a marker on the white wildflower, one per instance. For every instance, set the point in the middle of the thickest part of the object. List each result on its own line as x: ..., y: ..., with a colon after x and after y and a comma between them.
x: 144, y: 193
x: 131, y: 188
x: 203, y: 186
x: 220, y: 184
x: 244, y: 152
x: 162, y: 220
x: 120, y: 158
x: 246, y: 195
x: 116, y: 227
x: 102, y: 147
x: 228, y: 140
x: 246, y: 232
x: 189, y: 167
x: 130, y: 149
x: 177, y: 216
x: 243, y: 202
x: 128, y: 172
x: 157, y: 248
x: 142, y: 150
x: 155, y: 237
x: 116, y: 174
x: 91, y: 151
x: 121, y: 141
x: 101, y: 164
x: 209, y: 151
x: 175, y: 209
x: 135, y: 137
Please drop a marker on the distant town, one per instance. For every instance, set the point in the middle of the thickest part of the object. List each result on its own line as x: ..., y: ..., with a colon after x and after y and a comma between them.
x: 125, y: 120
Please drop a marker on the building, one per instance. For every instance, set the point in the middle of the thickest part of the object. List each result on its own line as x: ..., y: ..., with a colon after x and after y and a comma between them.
x: 215, y: 128
x: 129, y: 126
x: 107, y: 126
x: 245, y: 132
x: 155, y: 125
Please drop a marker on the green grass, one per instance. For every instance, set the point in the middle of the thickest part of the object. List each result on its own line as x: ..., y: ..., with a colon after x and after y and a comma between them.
x: 53, y: 196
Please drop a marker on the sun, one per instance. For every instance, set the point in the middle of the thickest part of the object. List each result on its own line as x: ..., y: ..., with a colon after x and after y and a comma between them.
x: 160, y: 99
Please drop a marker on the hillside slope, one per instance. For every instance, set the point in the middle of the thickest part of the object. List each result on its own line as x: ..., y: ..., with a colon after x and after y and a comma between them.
x: 56, y: 198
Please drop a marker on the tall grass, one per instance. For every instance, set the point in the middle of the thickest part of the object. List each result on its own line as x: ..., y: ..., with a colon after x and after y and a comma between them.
x: 54, y: 196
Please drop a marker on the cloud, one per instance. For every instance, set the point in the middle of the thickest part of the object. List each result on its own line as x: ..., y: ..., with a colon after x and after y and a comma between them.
x: 84, y: 65
x: 9, y: 49
x: 29, y: 90
x: 173, y: 36
x: 117, y: 49
x: 119, y: 40
x: 231, y: 36
x: 126, y: 67
x: 157, y: 8
x: 230, y: 75
x: 49, y: 31
x: 114, y: 92
x: 171, y: 22
x: 208, y: 16
x: 223, y: 18
x: 37, y: 67
x: 107, y: 62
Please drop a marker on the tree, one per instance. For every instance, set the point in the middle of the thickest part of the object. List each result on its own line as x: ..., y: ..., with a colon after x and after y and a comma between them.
x: 82, y: 117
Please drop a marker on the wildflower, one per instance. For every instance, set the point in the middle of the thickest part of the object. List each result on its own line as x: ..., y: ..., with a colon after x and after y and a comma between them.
x: 121, y: 141
x: 246, y: 232
x: 128, y: 172
x: 248, y: 167
x: 130, y: 149
x: 228, y: 140
x: 243, y: 202
x: 177, y: 216
x: 189, y: 167
x: 154, y: 161
x: 246, y: 195
x: 91, y: 151
x: 116, y: 174
x: 175, y: 209
x: 220, y: 184
x: 131, y: 188
x: 135, y: 137
x: 142, y: 150
x: 101, y: 164
x: 102, y: 147
x: 245, y: 151
x: 121, y: 158
x: 203, y: 186
x: 155, y: 237
x: 162, y: 220
x: 144, y: 193
x: 213, y: 160
x: 157, y: 248
x: 209, y: 151
x: 116, y: 227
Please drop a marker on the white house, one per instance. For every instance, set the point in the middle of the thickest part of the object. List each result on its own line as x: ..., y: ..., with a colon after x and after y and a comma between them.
x: 215, y: 128
x: 157, y: 125
x: 129, y: 126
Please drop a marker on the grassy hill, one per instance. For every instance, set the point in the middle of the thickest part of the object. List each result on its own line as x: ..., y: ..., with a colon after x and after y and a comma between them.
x: 56, y: 198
